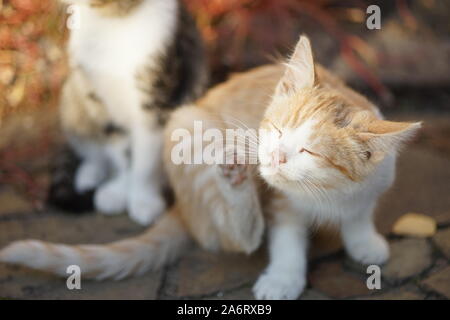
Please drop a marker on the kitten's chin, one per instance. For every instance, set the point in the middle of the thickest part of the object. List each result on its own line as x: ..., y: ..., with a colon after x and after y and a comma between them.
x: 275, y: 178
x: 267, y: 171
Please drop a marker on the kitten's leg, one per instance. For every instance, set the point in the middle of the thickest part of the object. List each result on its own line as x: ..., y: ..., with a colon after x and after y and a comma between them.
x: 90, y: 174
x: 93, y: 169
x: 241, y: 220
x: 285, y: 277
x: 111, y: 197
x: 145, y: 201
x: 221, y: 202
x: 362, y: 242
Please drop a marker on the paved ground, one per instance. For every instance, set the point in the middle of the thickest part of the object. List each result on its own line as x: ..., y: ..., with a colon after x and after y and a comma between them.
x: 418, y: 269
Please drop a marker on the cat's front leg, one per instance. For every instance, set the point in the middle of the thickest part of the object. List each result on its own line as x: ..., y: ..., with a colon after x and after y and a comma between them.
x: 145, y: 201
x: 285, y: 277
x: 361, y: 240
x: 93, y: 169
x: 90, y: 174
x: 111, y: 197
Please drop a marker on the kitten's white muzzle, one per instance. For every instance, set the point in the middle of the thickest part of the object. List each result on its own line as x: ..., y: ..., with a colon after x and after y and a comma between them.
x: 277, y: 157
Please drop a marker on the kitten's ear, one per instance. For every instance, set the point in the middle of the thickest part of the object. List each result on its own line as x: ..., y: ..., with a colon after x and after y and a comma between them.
x: 387, y: 136
x: 299, y: 69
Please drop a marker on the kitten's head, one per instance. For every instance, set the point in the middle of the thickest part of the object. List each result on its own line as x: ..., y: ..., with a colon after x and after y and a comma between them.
x: 312, y: 138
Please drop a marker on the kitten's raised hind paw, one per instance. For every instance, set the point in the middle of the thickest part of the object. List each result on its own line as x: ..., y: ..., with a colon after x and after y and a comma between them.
x: 241, y: 218
x: 279, y: 285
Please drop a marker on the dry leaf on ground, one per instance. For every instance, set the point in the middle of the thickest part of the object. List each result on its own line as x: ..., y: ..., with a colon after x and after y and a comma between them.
x: 415, y: 225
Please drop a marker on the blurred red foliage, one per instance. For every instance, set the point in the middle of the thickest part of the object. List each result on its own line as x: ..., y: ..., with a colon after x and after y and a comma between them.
x: 240, y: 33
x: 31, y: 64
x: 228, y: 25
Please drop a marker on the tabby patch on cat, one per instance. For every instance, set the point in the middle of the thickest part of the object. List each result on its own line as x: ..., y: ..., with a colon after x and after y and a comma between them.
x: 131, y: 63
x: 326, y: 156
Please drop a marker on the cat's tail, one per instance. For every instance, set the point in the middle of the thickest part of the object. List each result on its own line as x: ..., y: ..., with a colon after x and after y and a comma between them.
x: 161, y: 244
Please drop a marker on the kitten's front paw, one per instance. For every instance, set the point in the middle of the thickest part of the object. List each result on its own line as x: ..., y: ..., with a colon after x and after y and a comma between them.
x: 111, y: 198
x: 279, y: 285
x: 373, y: 250
x: 89, y: 176
x: 145, y: 206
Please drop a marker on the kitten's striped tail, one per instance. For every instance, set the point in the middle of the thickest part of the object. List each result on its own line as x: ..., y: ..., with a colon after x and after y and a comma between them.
x: 159, y: 245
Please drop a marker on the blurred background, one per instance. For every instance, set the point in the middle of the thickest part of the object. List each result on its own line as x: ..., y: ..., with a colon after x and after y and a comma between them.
x: 404, y: 67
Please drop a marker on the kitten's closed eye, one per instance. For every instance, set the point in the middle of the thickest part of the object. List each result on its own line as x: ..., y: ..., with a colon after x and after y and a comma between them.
x: 305, y: 150
x: 313, y: 153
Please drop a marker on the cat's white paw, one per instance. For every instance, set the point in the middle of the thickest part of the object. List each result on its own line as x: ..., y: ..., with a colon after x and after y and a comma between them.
x: 111, y: 198
x: 279, y: 285
x: 89, y: 176
x: 144, y: 206
x: 370, y: 250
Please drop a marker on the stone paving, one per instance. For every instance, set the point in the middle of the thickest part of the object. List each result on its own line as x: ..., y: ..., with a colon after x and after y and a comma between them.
x: 418, y: 269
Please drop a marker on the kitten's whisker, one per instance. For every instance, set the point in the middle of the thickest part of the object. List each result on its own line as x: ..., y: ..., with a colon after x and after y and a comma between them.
x: 241, y: 142
x: 245, y: 127
x: 239, y: 121
x: 241, y: 125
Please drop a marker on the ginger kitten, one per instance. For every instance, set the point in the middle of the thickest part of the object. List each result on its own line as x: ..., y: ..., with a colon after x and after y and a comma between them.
x: 324, y: 150
x: 331, y: 155
x: 132, y: 62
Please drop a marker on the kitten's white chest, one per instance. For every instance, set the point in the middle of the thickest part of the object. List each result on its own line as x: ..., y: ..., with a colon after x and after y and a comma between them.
x: 111, y: 50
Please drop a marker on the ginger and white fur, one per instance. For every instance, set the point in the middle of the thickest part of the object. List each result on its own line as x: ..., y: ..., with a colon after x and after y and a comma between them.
x: 326, y: 153
x: 106, y: 52
x: 331, y: 155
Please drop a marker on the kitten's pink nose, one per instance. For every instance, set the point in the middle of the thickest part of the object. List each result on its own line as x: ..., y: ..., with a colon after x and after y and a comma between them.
x: 278, y: 157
